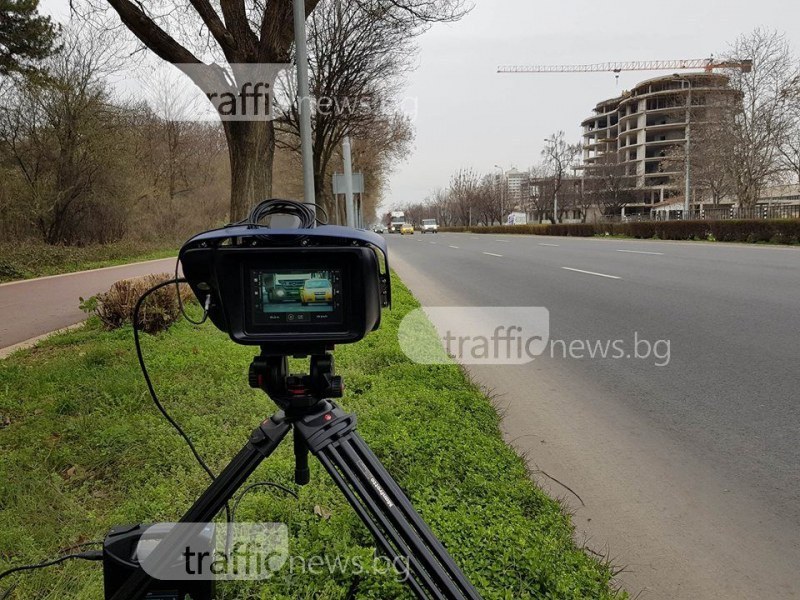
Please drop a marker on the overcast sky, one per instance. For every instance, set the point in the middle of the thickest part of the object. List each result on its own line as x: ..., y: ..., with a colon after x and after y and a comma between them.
x: 470, y: 116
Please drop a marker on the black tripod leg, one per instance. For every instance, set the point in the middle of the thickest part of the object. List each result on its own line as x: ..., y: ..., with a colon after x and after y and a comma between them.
x: 261, y: 444
x: 384, y: 508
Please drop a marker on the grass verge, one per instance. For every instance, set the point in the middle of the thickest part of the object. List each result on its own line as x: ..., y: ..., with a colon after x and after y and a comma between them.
x: 25, y: 260
x: 82, y: 448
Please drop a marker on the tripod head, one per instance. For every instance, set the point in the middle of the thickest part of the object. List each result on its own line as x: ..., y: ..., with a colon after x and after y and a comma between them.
x: 295, y: 394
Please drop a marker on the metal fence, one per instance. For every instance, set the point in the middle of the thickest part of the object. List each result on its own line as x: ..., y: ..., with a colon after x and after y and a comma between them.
x: 718, y: 213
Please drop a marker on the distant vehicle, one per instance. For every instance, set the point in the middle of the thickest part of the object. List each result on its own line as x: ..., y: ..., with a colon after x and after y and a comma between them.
x: 407, y: 228
x: 430, y: 226
x: 397, y: 220
x: 379, y: 228
x: 316, y: 290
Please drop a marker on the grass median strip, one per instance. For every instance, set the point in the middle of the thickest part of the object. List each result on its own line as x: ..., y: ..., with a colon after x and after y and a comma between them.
x: 82, y: 448
x: 26, y: 260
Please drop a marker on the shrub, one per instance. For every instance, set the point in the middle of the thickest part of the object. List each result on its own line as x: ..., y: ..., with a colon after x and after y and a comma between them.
x: 777, y: 231
x: 158, y: 312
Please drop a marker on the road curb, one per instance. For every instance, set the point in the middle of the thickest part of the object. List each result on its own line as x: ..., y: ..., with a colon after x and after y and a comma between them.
x: 30, y: 343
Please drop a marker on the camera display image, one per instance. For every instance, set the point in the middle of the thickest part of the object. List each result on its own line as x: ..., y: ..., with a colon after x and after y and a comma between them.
x: 296, y: 295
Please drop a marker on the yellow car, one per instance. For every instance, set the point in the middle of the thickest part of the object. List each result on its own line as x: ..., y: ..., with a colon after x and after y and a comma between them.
x: 407, y: 228
x: 316, y: 290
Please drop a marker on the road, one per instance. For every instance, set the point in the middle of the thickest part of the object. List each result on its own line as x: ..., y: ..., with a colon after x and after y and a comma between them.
x: 688, y: 473
x: 31, y: 308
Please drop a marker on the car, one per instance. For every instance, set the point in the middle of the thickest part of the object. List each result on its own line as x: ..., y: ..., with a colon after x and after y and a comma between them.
x: 430, y: 226
x: 316, y: 290
x: 278, y: 293
x: 378, y: 228
x: 407, y: 228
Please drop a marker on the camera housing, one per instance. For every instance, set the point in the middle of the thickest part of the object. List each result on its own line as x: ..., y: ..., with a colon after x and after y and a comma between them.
x: 293, y: 291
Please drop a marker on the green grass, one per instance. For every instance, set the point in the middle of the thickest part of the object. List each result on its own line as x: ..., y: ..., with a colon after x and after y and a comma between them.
x: 85, y: 449
x: 24, y: 260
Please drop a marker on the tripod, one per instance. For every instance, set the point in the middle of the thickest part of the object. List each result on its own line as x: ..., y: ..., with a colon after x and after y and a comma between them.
x: 326, y: 431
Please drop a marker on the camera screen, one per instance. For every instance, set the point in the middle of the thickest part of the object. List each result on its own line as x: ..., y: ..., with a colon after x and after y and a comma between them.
x: 296, y: 296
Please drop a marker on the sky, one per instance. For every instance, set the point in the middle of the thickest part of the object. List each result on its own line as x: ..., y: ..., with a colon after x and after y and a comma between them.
x: 470, y: 116
x: 467, y: 115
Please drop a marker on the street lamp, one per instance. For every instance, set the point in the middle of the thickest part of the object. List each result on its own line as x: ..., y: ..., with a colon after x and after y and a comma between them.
x: 502, y: 191
x: 687, y: 159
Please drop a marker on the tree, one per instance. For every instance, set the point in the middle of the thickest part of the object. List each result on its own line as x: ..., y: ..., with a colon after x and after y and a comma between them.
x: 790, y: 148
x: 712, y: 145
x: 559, y: 157
x: 760, y: 125
x: 247, y: 32
x: 68, y: 145
x: 26, y: 37
x: 609, y: 184
x: 463, y: 192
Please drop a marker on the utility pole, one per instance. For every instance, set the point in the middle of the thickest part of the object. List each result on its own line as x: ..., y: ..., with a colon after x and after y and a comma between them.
x: 347, y: 158
x: 304, y: 102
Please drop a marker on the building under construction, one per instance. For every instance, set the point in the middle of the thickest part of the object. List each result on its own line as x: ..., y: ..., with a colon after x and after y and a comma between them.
x: 637, y: 132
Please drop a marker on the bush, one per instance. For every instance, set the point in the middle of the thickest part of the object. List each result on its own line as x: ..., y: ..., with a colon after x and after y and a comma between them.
x: 562, y: 229
x: 115, y: 307
x: 776, y: 231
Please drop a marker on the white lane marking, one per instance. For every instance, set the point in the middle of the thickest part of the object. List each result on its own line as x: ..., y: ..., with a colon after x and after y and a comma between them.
x: 493, y: 254
x: 641, y: 252
x: 455, y: 247
x: 551, y: 245
x: 504, y: 241
x: 591, y: 273
x: 434, y: 243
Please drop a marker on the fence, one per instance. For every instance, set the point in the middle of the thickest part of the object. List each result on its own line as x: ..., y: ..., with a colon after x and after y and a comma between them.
x: 723, y: 213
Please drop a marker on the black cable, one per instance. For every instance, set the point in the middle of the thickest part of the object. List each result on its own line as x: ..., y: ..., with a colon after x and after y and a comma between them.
x: 150, y: 388
x: 206, y: 306
x: 90, y: 555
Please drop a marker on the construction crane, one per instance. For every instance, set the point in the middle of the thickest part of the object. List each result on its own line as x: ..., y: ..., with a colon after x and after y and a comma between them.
x: 707, y: 64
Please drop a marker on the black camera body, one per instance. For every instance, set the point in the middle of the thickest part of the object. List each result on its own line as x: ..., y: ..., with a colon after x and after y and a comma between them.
x: 293, y: 291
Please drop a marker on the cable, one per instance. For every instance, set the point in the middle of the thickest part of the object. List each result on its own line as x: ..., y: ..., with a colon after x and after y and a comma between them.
x: 90, y: 555
x: 150, y: 388
x: 277, y: 206
x: 206, y: 305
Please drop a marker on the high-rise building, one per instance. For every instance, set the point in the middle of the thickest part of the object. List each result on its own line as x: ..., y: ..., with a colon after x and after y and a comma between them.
x: 637, y: 131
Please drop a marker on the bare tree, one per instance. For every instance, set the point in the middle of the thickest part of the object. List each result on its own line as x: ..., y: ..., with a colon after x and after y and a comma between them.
x: 610, y: 186
x: 760, y: 125
x: 713, y: 144
x: 67, y: 142
x: 790, y: 148
x: 464, y: 186
x: 559, y: 157
x: 249, y: 32
x: 356, y: 68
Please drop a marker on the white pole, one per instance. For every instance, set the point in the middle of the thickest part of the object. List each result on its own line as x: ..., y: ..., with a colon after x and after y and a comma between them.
x: 348, y: 182
x: 304, y: 100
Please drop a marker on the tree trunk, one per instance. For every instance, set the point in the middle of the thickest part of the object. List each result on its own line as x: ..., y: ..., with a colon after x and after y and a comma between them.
x: 251, y: 150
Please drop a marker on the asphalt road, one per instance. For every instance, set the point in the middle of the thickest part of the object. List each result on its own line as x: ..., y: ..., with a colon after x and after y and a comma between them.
x: 35, y: 307
x: 688, y: 474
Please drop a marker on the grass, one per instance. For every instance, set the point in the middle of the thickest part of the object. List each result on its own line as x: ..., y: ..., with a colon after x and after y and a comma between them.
x: 83, y: 448
x: 24, y: 260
